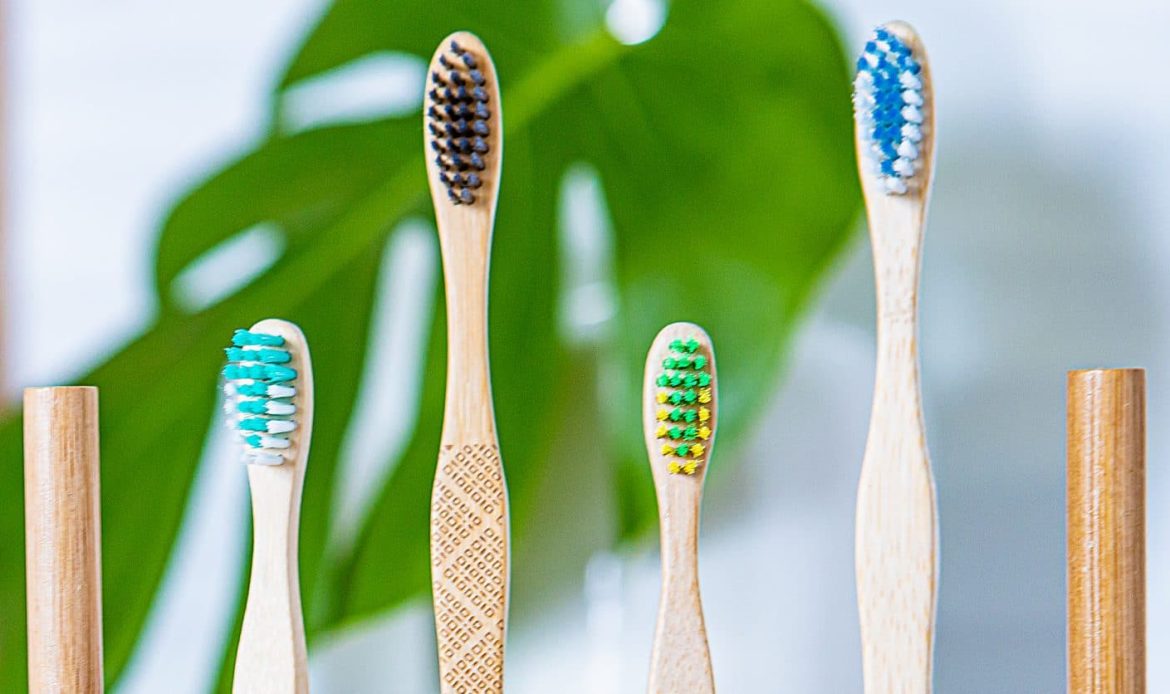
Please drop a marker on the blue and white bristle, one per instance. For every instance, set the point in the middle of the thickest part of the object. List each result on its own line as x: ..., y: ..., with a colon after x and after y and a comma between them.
x: 888, y: 104
x: 259, y: 386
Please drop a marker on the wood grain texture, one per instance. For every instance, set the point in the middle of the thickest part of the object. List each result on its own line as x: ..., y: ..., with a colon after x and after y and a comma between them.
x: 469, y: 502
x: 272, y: 656
x: 680, y: 662
x: 1106, y: 531
x: 63, y: 540
x: 897, y: 536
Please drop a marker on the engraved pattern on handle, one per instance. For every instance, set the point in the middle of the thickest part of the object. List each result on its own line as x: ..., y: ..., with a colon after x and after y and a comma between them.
x: 469, y: 568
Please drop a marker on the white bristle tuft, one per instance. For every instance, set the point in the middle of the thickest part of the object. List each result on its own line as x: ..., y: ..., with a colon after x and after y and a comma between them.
x: 281, y: 409
x: 268, y: 459
x: 281, y: 391
x: 895, y: 185
x: 280, y: 426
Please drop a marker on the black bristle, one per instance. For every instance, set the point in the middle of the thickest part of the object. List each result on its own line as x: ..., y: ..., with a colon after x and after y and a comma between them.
x: 457, y: 117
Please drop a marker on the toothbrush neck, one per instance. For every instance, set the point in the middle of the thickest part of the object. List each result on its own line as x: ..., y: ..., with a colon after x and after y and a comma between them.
x: 679, y: 520
x: 897, y: 262
x: 469, y: 401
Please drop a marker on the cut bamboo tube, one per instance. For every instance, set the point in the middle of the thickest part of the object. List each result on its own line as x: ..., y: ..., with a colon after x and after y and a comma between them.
x: 1106, y: 531
x: 63, y: 540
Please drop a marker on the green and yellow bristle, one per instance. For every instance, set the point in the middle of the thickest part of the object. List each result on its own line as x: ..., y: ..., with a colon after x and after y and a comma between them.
x: 684, y: 395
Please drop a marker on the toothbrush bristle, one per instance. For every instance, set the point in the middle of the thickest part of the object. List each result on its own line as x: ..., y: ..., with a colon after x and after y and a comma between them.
x: 684, y: 393
x: 259, y: 387
x: 889, y: 107
x: 458, y: 115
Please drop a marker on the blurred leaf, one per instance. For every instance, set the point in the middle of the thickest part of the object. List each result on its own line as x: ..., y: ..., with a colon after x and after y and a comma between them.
x: 723, y: 146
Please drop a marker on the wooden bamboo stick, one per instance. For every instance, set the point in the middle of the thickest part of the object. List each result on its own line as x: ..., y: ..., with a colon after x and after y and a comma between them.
x: 1106, y: 531
x: 63, y: 540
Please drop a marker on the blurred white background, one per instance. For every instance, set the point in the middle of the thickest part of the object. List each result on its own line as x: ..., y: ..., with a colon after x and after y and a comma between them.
x: 1047, y: 250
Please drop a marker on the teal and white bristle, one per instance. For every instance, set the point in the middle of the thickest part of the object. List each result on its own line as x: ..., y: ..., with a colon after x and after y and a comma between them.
x: 888, y: 103
x: 259, y: 385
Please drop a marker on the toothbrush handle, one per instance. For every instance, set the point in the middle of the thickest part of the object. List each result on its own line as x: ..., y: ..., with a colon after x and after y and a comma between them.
x: 681, y: 660
x: 469, y: 500
x: 469, y: 567
x: 896, y: 551
x: 272, y: 655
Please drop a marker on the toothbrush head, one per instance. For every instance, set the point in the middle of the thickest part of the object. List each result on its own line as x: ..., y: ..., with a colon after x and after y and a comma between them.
x: 891, y: 101
x: 462, y: 122
x: 262, y: 393
x: 680, y: 400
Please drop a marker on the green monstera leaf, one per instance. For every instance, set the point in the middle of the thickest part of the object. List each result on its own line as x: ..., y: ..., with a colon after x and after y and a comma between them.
x: 722, y: 150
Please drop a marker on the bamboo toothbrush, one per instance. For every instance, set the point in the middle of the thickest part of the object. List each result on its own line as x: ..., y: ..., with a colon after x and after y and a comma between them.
x: 897, y: 541
x: 469, y: 504
x: 269, y: 389
x: 678, y: 419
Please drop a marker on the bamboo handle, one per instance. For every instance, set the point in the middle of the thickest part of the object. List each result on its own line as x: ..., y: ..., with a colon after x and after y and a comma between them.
x: 681, y: 660
x: 63, y: 540
x: 897, y: 533
x: 1106, y: 531
x: 469, y: 567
